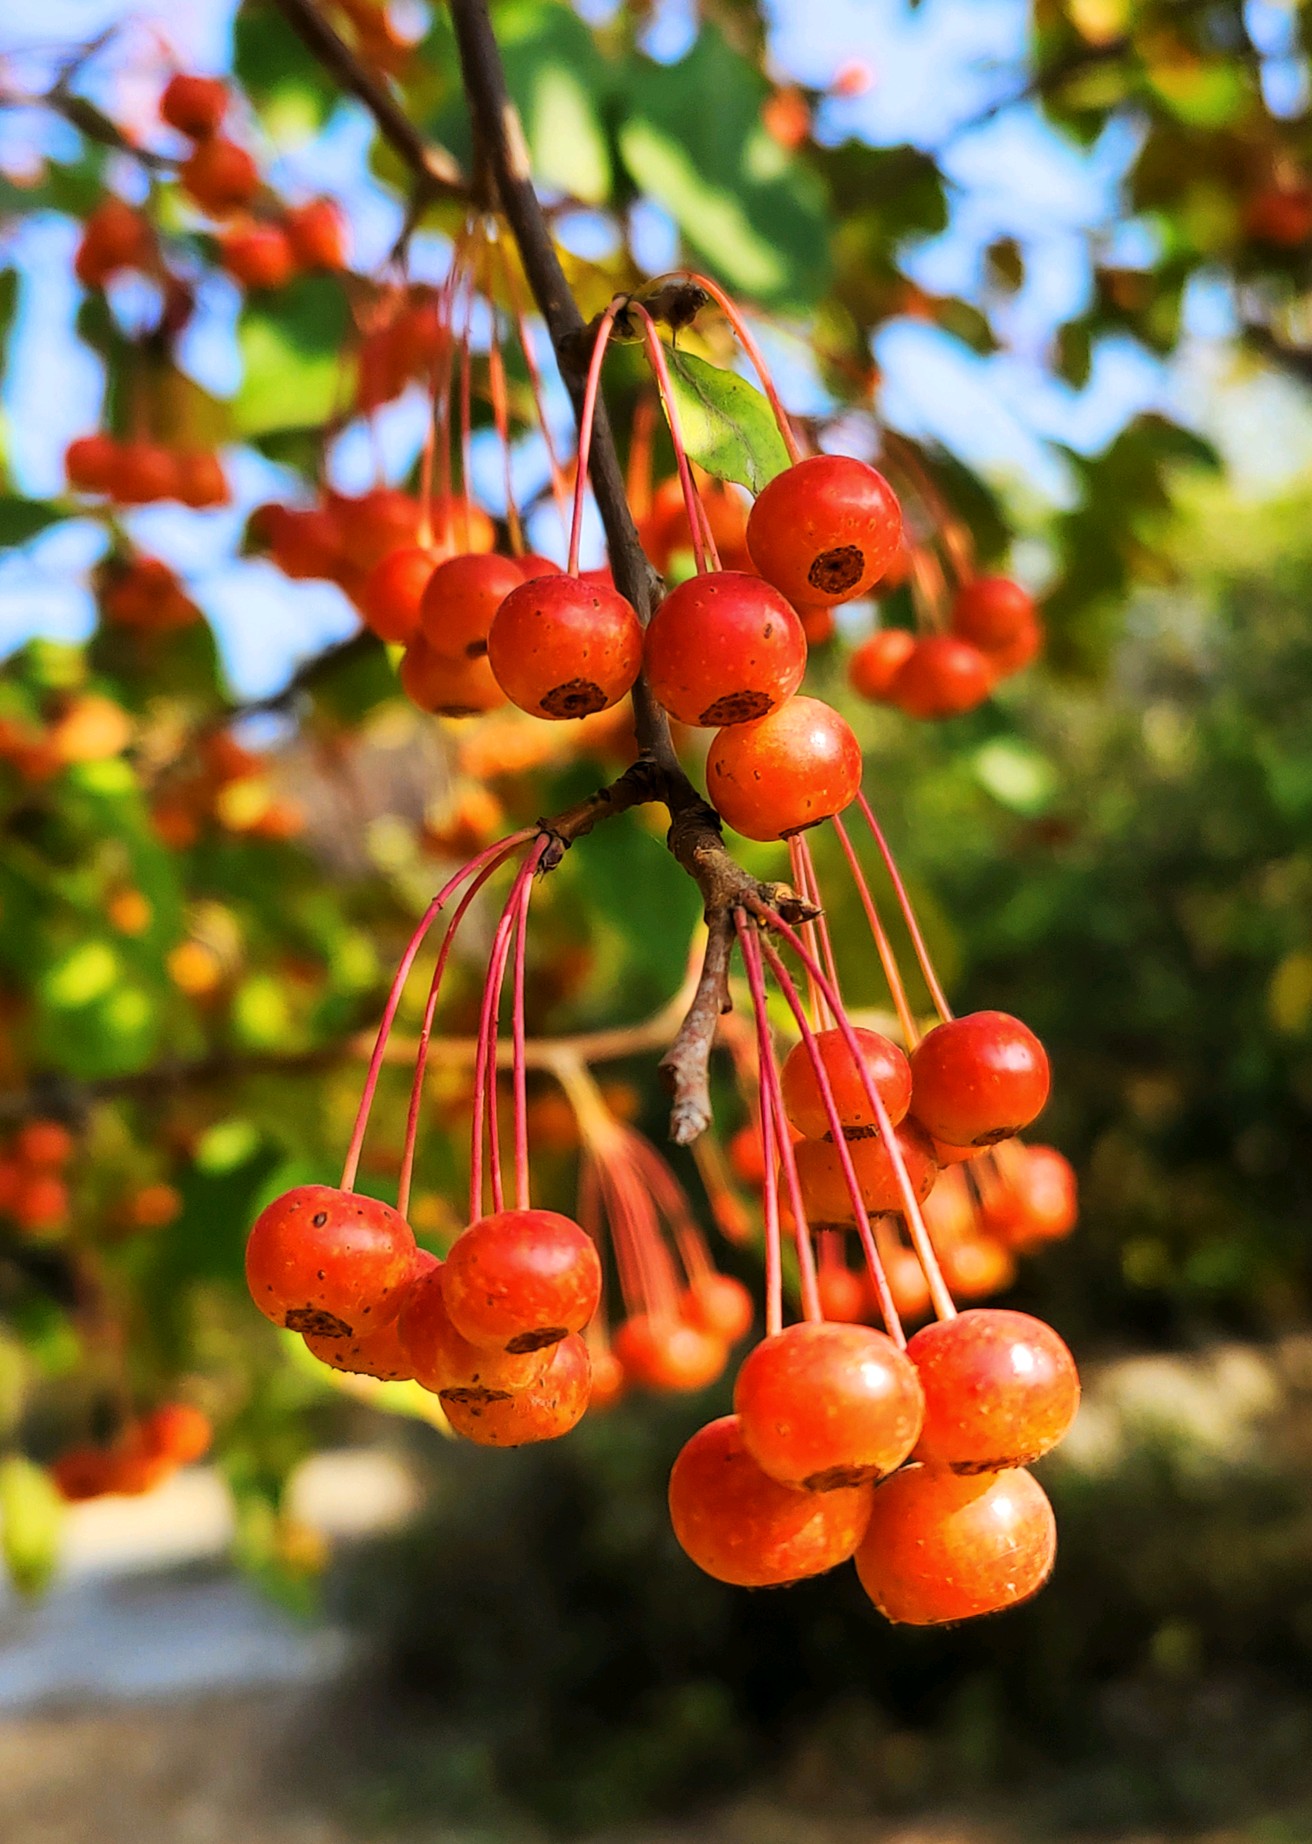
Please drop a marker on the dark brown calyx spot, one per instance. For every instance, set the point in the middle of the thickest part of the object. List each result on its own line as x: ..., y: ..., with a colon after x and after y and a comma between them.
x: 575, y: 698
x: 476, y: 649
x: 969, y: 1468
x: 834, y: 1478
x: 457, y: 710
x: 472, y: 1396
x: 736, y: 708
x: 314, y: 1322
x: 318, y: 1220
x: 857, y: 1133
x: 535, y: 1341
x: 999, y: 1133
x: 837, y: 570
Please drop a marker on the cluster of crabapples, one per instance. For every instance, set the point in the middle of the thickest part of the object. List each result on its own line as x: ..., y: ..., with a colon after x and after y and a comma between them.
x: 994, y: 630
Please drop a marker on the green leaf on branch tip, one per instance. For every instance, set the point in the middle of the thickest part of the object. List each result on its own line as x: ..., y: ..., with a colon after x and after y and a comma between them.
x: 728, y: 426
x: 293, y: 374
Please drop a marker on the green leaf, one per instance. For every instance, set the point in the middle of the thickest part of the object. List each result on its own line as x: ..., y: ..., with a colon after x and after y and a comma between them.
x: 291, y: 347
x: 31, y: 1517
x: 279, y: 75
x: 728, y: 426
x: 694, y: 140
x: 21, y: 519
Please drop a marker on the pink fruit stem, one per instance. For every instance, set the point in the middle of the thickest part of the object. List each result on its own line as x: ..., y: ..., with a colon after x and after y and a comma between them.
x: 883, y: 946
x: 519, y: 1070
x: 587, y: 416
x: 772, y: 1096
x: 665, y: 388
x: 445, y: 367
x: 936, y: 992
x: 496, y: 388
x: 466, y: 408
x: 887, y: 1309
x: 747, y: 340
x: 425, y: 1035
x: 821, y: 924
x: 559, y: 488
x: 493, y: 854
x: 910, y: 1203
x: 672, y: 1201
x: 485, y: 1059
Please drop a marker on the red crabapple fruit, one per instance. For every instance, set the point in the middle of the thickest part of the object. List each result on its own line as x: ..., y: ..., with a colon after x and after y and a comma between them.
x: 1000, y: 1389
x: 825, y: 530
x: 723, y: 648
x: 521, y: 1279
x: 885, y: 1065
x: 329, y: 1262
x: 781, y: 773
x: 563, y: 648
x: 544, y: 1411
x: 978, y: 1079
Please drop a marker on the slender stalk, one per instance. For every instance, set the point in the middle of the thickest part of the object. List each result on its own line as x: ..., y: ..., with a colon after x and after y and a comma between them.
x: 747, y: 341
x: 883, y: 946
x: 691, y: 503
x: 936, y: 992
x: 587, y: 421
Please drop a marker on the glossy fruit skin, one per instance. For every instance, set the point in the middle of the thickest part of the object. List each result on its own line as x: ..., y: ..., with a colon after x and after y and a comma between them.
x: 379, y: 1355
x: 742, y: 1527
x: 720, y: 1305
x: 724, y: 648
x: 448, y: 688
x: 825, y: 530
x: 461, y: 597
x: 821, y: 1406
x: 549, y: 1408
x: 195, y: 106
x: 941, y: 677
x: 1000, y: 1389
x: 521, y: 1279
x: 661, y: 1352
x: 978, y: 1079
x: 885, y: 1063
x: 940, y: 1548
x: 561, y: 648
x: 844, y: 1296
x: 1044, y: 1198
x: 991, y: 611
x: 1026, y: 645
x: 442, y: 1360
x: 220, y: 176
x: 327, y: 1261
x: 876, y: 662
x: 391, y: 593
x: 824, y: 1185
x: 907, y: 1284
x: 258, y: 256
x: 977, y: 1267
x: 317, y: 234
x: 782, y: 773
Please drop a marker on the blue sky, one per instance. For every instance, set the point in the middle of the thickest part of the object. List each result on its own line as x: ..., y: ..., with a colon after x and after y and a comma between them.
x: 936, y: 70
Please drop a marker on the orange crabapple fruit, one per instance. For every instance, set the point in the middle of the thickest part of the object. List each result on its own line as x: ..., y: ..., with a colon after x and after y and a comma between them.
x: 329, y: 1262
x: 886, y: 1067
x: 562, y: 648
x: 544, y: 1411
x: 317, y: 234
x: 521, y: 1279
x: 939, y: 1547
x: 991, y: 611
x: 825, y: 530
x: 448, y: 688
x: 1000, y: 1389
x: 821, y: 1406
x: 440, y: 1359
x: 744, y: 1528
x: 718, y: 1304
x: 194, y: 105
x: 824, y: 1185
x: 258, y: 255
x: 722, y: 648
x: 941, y: 677
x: 844, y: 1296
x: 978, y: 1079
x: 219, y: 176
x: 660, y: 1351
x: 875, y: 664
x: 460, y: 599
x: 779, y: 774
x: 390, y: 595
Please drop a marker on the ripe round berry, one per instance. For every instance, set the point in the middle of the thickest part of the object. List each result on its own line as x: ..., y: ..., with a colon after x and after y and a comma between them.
x: 941, y: 677
x: 978, y: 1079
x: 661, y: 1352
x: 1000, y: 1389
x: 782, y: 773
x: 720, y: 1305
x: 818, y: 624
x: 448, y: 688
x: 144, y: 473
x: 461, y: 597
x: 886, y: 1067
x: 1018, y: 652
x: 195, y: 106
x: 976, y: 1267
x: 907, y: 1284
x: 90, y: 462
x: 563, y: 648
x: 824, y: 1185
x: 43, y: 1143
x: 941, y: 1548
x: 723, y: 648
x: 821, y: 1406
x: 199, y: 480
x: 114, y: 237
x: 391, y: 593
x: 608, y: 1381
x: 1043, y: 1195
x: 317, y: 234
x: 825, y: 530
x: 844, y: 1298
x: 375, y: 1354
x: 552, y: 1406
x: 328, y: 1261
x: 876, y: 662
x: 258, y: 256
x: 521, y: 1279
x: 442, y: 1360
x: 220, y: 176
x: 991, y: 611
x: 177, y: 1432
x: 742, y: 1527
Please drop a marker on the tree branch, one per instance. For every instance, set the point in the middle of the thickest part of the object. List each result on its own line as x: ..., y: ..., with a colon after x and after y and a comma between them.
x: 436, y: 173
